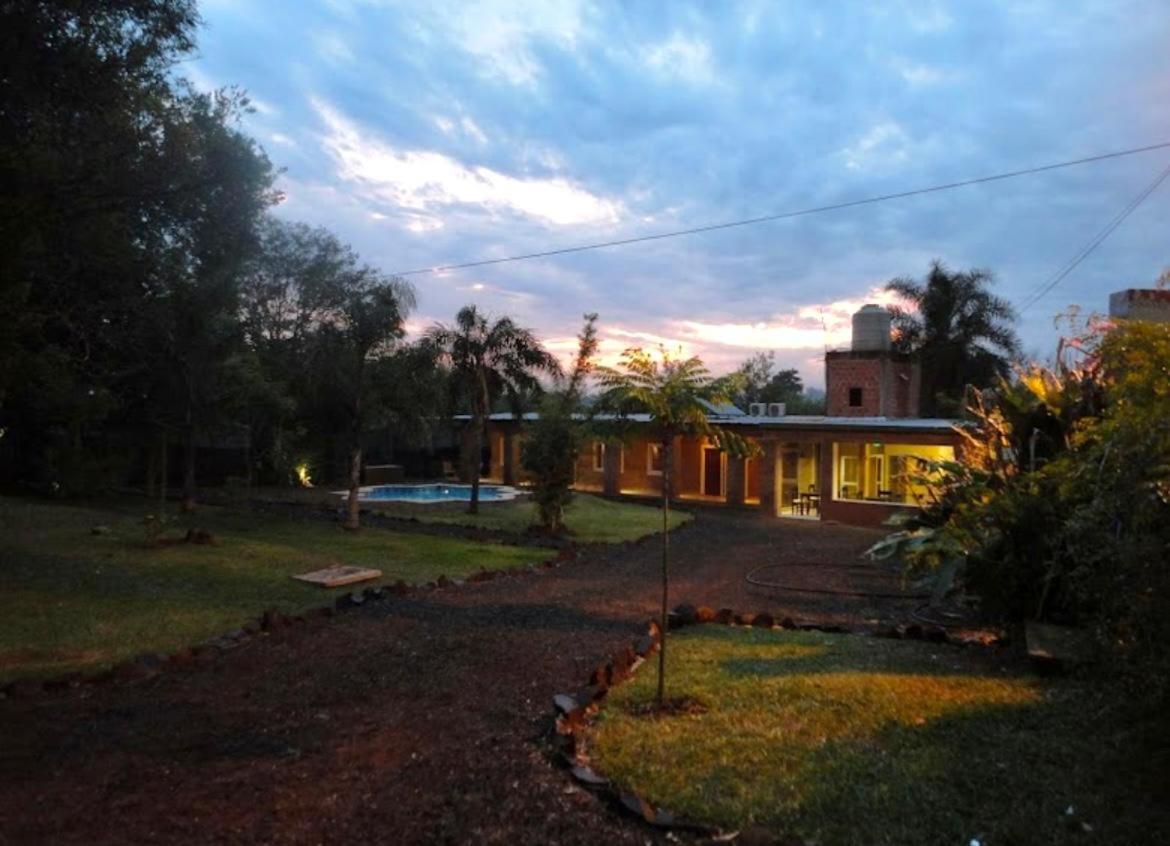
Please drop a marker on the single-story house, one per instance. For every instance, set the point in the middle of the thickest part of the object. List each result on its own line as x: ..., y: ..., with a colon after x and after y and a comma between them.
x: 855, y: 464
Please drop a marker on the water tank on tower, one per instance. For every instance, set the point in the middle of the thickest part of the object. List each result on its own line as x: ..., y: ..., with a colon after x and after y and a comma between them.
x: 871, y: 328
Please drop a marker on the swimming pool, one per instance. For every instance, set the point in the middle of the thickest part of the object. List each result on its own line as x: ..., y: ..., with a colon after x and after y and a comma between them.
x: 434, y: 493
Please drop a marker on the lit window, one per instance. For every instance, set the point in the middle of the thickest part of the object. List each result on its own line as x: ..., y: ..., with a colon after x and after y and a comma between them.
x: 886, y: 472
x: 654, y: 459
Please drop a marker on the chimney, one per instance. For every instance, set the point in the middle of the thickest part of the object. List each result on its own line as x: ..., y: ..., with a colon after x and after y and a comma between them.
x: 871, y: 329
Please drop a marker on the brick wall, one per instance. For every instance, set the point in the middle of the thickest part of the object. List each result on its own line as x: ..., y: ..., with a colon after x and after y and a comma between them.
x: 903, y: 383
x: 889, y: 384
x: 844, y: 371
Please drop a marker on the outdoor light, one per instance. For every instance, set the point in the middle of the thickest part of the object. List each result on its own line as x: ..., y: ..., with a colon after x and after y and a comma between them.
x: 303, y: 477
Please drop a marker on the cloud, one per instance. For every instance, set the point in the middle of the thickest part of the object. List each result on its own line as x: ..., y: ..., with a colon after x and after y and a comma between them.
x: 476, y: 129
x: 423, y: 180
x: 466, y: 127
x: 682, y: 57
x: 929, y: 19
x: 471, y: 128
x: 614, y: 340
x: 332, y: 47
x: 923, y: 75
x: 501, y: 34
x: 812, y: 326
x: 420, y: 223
x: 885, y: 144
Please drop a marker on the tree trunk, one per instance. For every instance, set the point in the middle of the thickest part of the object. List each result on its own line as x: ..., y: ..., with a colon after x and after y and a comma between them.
x: 151, y: 468
x: 666, y: 462
x: 188, y: 501
x: 476, y: 461
x: 164, y: 450
x: 352, y: 512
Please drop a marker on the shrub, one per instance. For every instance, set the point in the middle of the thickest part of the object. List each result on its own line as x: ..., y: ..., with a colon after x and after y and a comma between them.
x: 1077, y: 530
x: 552, y: 444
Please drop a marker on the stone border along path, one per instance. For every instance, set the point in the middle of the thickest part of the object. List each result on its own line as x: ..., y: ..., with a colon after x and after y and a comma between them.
x: 415, y: 718
x: 149, y: 664
x: 574, y: 713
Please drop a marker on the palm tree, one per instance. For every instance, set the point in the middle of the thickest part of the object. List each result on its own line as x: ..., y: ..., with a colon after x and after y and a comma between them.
x: 487, y: 361
x: 961, y: 331
x: 677, y: 395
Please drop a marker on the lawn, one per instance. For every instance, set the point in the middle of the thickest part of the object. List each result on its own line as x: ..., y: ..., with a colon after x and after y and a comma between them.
x: 846, y: 739
x: 73, y: 600
x: 590, y: 519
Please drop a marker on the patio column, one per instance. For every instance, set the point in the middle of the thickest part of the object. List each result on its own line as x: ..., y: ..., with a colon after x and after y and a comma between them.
x: 736, y: 478
x: 770, y: 479
x: 509, y: 457
x: 611, y: 467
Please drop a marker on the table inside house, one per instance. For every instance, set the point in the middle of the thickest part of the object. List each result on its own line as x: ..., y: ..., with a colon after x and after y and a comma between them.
x: 809, y: 503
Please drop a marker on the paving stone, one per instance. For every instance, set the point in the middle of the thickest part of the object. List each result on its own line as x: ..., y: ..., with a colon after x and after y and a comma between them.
x: 638, y: 806
x: 587, y: 775
x: 565, y: 703
x: 685, y: 615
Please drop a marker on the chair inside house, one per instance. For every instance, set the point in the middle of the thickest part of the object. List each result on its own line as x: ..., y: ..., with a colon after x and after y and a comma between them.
x: 810, y: 501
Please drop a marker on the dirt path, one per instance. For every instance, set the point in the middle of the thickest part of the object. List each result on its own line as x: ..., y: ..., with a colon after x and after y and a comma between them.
x: 409, y: 721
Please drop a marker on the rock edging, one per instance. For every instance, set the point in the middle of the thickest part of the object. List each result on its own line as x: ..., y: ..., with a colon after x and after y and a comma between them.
x: 148, y: 665
x: 574, y: 712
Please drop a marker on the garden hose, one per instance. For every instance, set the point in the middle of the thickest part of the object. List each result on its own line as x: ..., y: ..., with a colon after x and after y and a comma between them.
x: 759, y: 578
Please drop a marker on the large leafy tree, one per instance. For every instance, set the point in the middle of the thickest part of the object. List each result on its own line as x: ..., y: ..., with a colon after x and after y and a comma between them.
x: 85, y: 100
x: 289, y: 289
x: 488, y: 360
x: 359, y: 321
x: 676, y: 394
x: 129, y: 206
x: 961, y: 331
x: 192, y: 302
x: 310, y: 308
x: 758, y: 381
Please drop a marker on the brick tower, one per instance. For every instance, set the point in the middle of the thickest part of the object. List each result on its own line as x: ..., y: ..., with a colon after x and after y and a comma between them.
x: 869, y: 379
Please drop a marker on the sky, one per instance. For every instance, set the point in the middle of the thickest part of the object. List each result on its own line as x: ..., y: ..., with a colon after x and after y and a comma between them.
x: 433, y: 133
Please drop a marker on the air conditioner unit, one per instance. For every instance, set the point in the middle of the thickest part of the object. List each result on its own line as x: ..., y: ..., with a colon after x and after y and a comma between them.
x: 777, y: 409
x: 757, y: 409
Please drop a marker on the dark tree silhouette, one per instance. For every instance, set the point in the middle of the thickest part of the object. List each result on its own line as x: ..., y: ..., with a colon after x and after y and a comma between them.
x: 962, y: 332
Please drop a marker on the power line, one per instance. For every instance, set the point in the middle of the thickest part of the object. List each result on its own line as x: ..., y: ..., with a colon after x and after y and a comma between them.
x: 789, y: 214
x: 1097, y: 240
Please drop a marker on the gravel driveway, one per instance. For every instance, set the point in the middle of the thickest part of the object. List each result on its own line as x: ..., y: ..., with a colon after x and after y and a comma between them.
x: 414, y: 720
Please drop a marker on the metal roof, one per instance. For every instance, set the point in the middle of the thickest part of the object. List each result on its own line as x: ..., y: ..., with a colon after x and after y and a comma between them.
x: 788, y: 421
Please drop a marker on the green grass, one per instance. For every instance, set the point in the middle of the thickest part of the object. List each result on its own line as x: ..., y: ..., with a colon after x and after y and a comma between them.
x: 590, y: 519
x: 846, y: 739
x: 72, y: 600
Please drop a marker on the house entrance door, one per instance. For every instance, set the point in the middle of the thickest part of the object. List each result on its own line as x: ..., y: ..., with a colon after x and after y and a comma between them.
x: 712, y: 471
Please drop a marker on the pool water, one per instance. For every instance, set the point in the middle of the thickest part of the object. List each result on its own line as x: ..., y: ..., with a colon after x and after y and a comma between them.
x: 436, y: 493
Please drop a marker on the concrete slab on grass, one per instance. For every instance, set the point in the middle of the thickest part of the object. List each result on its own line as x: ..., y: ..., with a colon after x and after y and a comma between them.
x: 338, y: 575
x: 1057, y: 646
